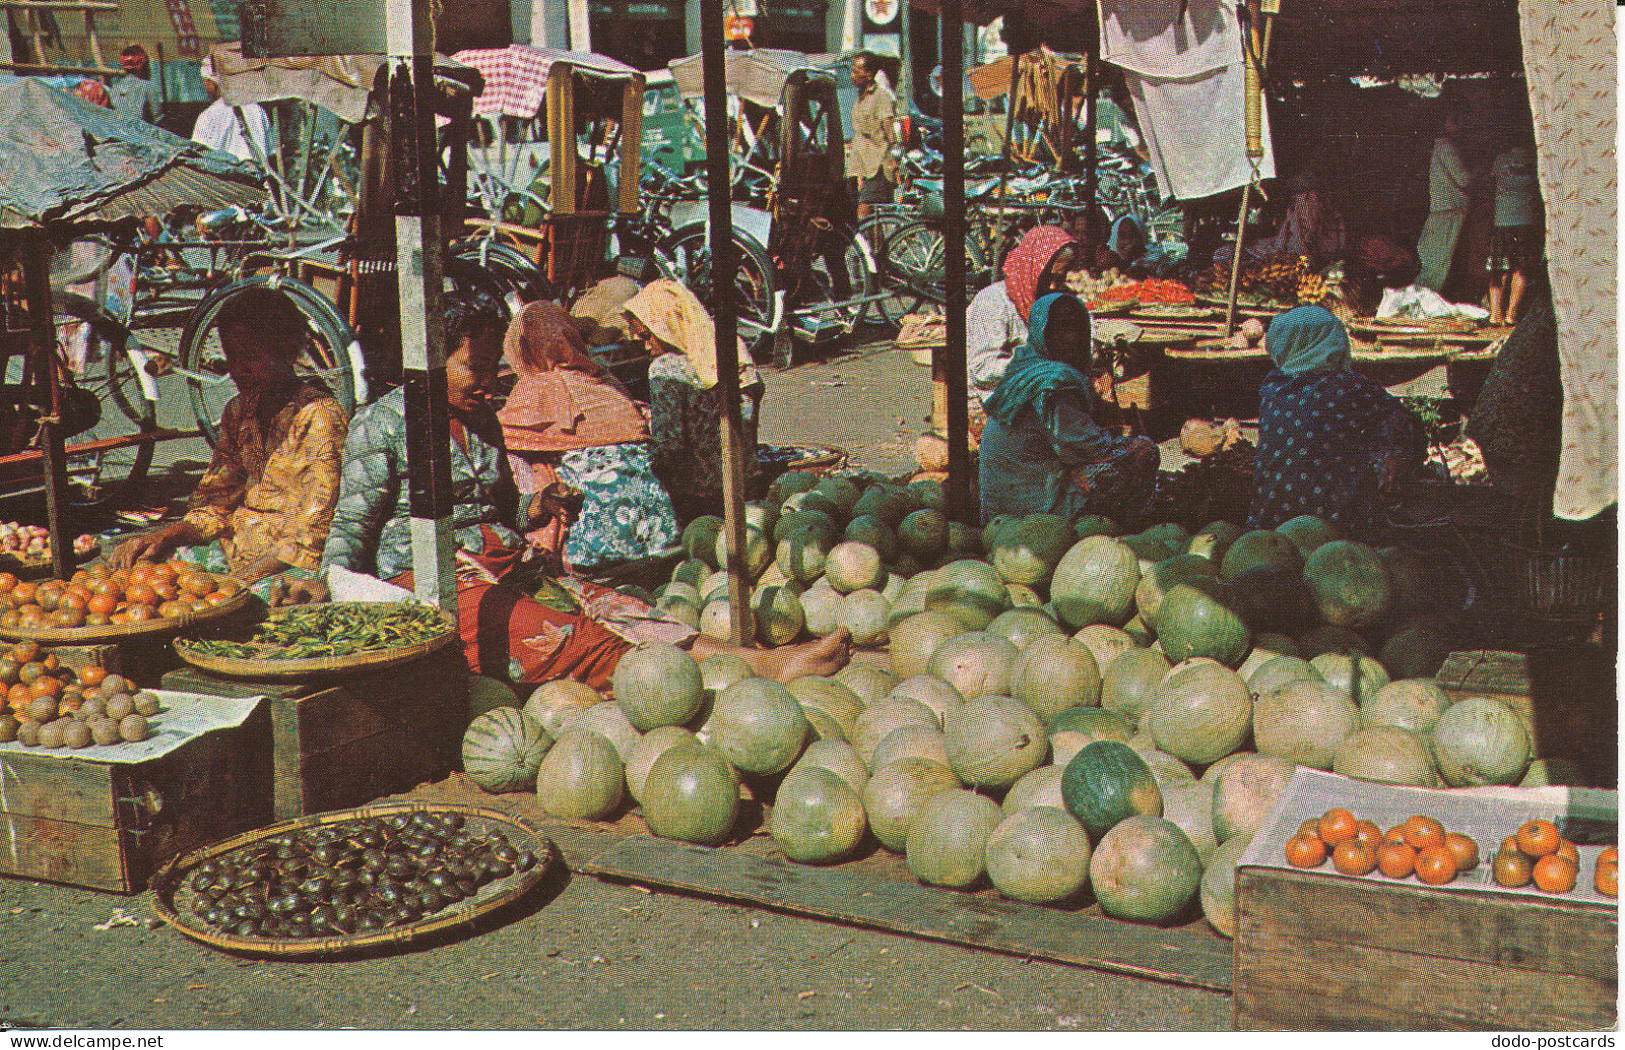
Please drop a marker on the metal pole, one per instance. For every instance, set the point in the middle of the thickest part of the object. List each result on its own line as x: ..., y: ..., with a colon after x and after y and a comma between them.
x: 42, y: 323
x: 723, y: 267
x: 949, y: 362
x: 1255, y: 151
x: 418, y: 248
x: 1091, y: 148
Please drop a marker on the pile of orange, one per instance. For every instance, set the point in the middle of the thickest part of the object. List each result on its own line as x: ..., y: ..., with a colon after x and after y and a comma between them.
x: 1419, y: 846
x: 98, y: 596
x: 45, y: 699
x: 1538, y: 853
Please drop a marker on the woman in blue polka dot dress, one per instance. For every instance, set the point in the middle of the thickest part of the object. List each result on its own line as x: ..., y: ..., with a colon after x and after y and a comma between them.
x: 1330, y: 442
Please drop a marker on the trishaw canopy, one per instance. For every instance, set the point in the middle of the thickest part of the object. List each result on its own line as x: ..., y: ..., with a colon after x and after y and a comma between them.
x: 338, y: 83
x: 756, y: 76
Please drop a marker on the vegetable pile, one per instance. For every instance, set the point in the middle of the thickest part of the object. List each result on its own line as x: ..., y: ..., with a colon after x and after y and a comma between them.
x: 334, y: 629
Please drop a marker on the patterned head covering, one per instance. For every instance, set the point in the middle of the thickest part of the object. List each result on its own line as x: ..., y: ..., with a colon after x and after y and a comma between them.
x: 1307, y: 339
x: 564, y: 399
x: 675, y: 316
x: 1026, y: 263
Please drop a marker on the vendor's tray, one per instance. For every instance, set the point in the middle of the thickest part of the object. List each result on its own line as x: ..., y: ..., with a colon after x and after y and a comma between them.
x: 375, y: 644
x: 119, y: 631
x: 179, y: 887
x: 1319, y: 949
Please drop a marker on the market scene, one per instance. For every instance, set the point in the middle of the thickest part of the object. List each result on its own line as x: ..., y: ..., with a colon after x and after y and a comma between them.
x: 1131, y: 547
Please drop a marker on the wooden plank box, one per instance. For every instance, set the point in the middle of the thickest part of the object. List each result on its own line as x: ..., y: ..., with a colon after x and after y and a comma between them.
x: 110, y: 826
x: 345, y: 741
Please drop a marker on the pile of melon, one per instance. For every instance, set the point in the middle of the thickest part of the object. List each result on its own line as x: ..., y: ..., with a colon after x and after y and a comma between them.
x: 1058, y: 710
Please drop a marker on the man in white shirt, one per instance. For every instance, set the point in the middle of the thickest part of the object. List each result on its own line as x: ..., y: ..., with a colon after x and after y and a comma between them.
x: 218, y: 128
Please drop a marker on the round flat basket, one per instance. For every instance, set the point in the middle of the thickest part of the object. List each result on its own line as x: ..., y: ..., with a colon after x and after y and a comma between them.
x: 177, y: 902
x: 264, y: 667
x: 114, y: 632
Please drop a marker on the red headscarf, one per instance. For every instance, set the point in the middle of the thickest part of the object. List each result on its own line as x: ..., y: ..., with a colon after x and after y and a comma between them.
x: 1027, y: 262
x: 564, y: 399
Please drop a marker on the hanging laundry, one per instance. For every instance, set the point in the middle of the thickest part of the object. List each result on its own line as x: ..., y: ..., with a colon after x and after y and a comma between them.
x: 1195, y: 131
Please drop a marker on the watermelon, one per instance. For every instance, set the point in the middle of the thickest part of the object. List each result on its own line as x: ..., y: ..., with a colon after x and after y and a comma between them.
x: 1145, y: 870
x: 1028, y: 549
x: 1107, y: 782
x: 503, y: 748
x: 1304, y: 721
x: 1039, y: 855
x: 1202, y: 618
x: 1349, y: 584
x: 1200, y: 712
x: 1094, y: 582
x: 1260, y: 547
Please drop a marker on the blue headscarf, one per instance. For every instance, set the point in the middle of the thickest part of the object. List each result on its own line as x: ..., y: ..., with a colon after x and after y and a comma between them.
x: 1308, y: 339
x: 1032, y: 376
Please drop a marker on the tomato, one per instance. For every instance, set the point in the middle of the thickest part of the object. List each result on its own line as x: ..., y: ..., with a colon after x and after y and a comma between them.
x: 1512, y: 868
x: 1305, y: 851
x: 1464, y: 849
x: 1435, y: 865
x: 1422, y: 832
x: 1538, y: 838
x: 1555, y: 874
x: 1353, y: 857
x: 1396, y: 859
x: 1336, y: 825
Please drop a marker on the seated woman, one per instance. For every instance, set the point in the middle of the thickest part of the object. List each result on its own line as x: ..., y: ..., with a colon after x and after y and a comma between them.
x: 1042, y: 451
x: 569, y: 422
x: 996, y: 320
x: 263, y: 506
x: 506, y: 633
x: 685, y: 401
x: 1330, y: 442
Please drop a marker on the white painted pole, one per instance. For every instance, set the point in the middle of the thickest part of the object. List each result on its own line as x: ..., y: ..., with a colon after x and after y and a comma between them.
x: 852, y: 26
x: 580, y: 26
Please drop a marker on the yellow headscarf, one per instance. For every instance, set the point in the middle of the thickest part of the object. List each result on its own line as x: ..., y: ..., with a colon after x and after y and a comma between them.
x: 675, y: 316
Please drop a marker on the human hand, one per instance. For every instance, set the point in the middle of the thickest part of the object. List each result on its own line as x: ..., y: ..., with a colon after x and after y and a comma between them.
x: 149, y: 546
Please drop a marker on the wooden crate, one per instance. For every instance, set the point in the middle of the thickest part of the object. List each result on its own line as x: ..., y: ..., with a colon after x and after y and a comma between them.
x: 109, y: 826
x: 342, y: 742
x: 1316, y: 953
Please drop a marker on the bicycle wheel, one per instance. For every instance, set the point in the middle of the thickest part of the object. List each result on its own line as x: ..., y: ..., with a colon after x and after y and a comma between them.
x: 329, y: 357
x: 840, y: 272
x: 917, y: 259
x: 689, y: 252
x: 878, y: 230
x: 109, y: 461
x: 508, y: 267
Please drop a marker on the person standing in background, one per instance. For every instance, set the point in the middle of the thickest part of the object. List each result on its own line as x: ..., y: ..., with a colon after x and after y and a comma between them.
x: 1516, y: 246
x: 873, y: 132
x: 217, y: 126
x: 136, y: 93
x: 1448, y: 184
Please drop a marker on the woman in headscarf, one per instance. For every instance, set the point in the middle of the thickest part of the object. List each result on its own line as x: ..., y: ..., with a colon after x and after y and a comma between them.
x: 1042, y: 451
x: 685, y: 400
x: 513, y: 621
x: 996, y: 321
x: 568, y: 422
x: 1330, y: 442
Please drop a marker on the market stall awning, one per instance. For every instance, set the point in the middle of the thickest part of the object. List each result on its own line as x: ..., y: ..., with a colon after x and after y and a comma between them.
x: 62, y: 160
x: 339, y: 83
x: 516, y: 76
x: 756, y: 76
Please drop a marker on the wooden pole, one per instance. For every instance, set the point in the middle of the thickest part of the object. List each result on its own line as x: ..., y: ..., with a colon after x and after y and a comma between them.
x: 723, y: 266
x: 419, y: 245
x: 950, y: 359
x: 1091, y: 148
x: 42, y: 322
x: 1255, y: 151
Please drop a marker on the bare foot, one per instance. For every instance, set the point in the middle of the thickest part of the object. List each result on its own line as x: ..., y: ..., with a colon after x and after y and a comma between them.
x: 822, y: 657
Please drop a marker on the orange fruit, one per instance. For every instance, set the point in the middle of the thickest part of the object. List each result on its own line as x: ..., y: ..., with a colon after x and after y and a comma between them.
x: 1396, y: 859
x: 1555, y: 874
x: 1310, y: 827
x: 139, y: 614
x: 47, y: 595
x: 19, y: 695
x: 71, y: 600
x: 1565, y: 848
x: 98, y: 570
x: 173, y: 608
x: 103, y: 604
x: 8, y: 580
x: 1609, y: 855
x: 1394, y: 834
x: 25, y: 651
x: 91, y: 674
x: 1367, y: 831
x: 1336, y: 825
x: 24, y: 592
x: 1435, y: 865
x: 97, y: 619
x: 166, y: 590
x: 1421, y: 832
x: 1464, y: 849
x: 197, y: 584
x: 1606, y: 878
x: 1538, y: 838
x: 140, y: 594
x: 1353, y: 857
x: 45, y: 685
x: 1512, y: 867
x: 67, y: 617
x: 228, y: 586
x: 1305, y: 851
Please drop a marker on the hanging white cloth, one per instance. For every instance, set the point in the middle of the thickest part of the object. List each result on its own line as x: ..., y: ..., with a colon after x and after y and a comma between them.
x: 1184, y: 66
x: 1569, y: 66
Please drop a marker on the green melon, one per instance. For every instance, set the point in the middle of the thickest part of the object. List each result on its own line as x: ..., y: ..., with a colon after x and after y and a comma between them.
x: 916, y: 740
x: 811, y: 522
x: 992, y: 741
x: 947, y: 840
x: 644, y: 753
x: 1278, y: 672
x: 690, y: 571
x: 963, y: 542
x: 933, y: 692
x: 658, y: 684
x: 888, y: 503
x: 1022, y: 625
x: 581, y: 777
x: 923, y: 534
x: 1307, y: 533
x: 864, y: 614
x: 1213, y: 540
x: 1349, y: 584
x: 840, y: 758
x: 871, y: 533
x: 1145, y: 870
x: 802, y: 554
x: 1203, y: 618
x: 779, y: 616
x: 1246, y: 792
x: 812, y: 499
x: 1039, y: 855
x: 1200, y: 712
x: 1055, y: 673
x: 1129, y: 685
x: 790, y: 483
x: 1358, y: 676
x: 1419, y: 648
x: 1106, y: 782
x: 610, y: 722
x: 691, y: 794
x: 1386, y: 755
x: 1094, y: 582
x: 1162, y: 576
x: 700, y: 539
x: 758, y: 726
x: 1189, y: 806
x: 883, y: 717
x: 894, y: 794
x: 1304, y: 721
x: 1480, y: 741
x: 555, y: 703
x: 829, y: 696
x: 929, y: 493
x: 1093, y: 722
x: 1107, y: 643
x: 820, y: 607
x: 1041, y: 787
x: 914, y: 640
x: 1219, y: 884
x: 1027, y: 551
x: 972, y: 592
x: 976, y: 663
x: 853, y: 566
x: 1095, y: 525
x: 1260, y: 547
x: 1410, y: 703
x: 1150, y: 548
x: 868, y: 682
x: 503, y: 748
x: 817, y: 817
